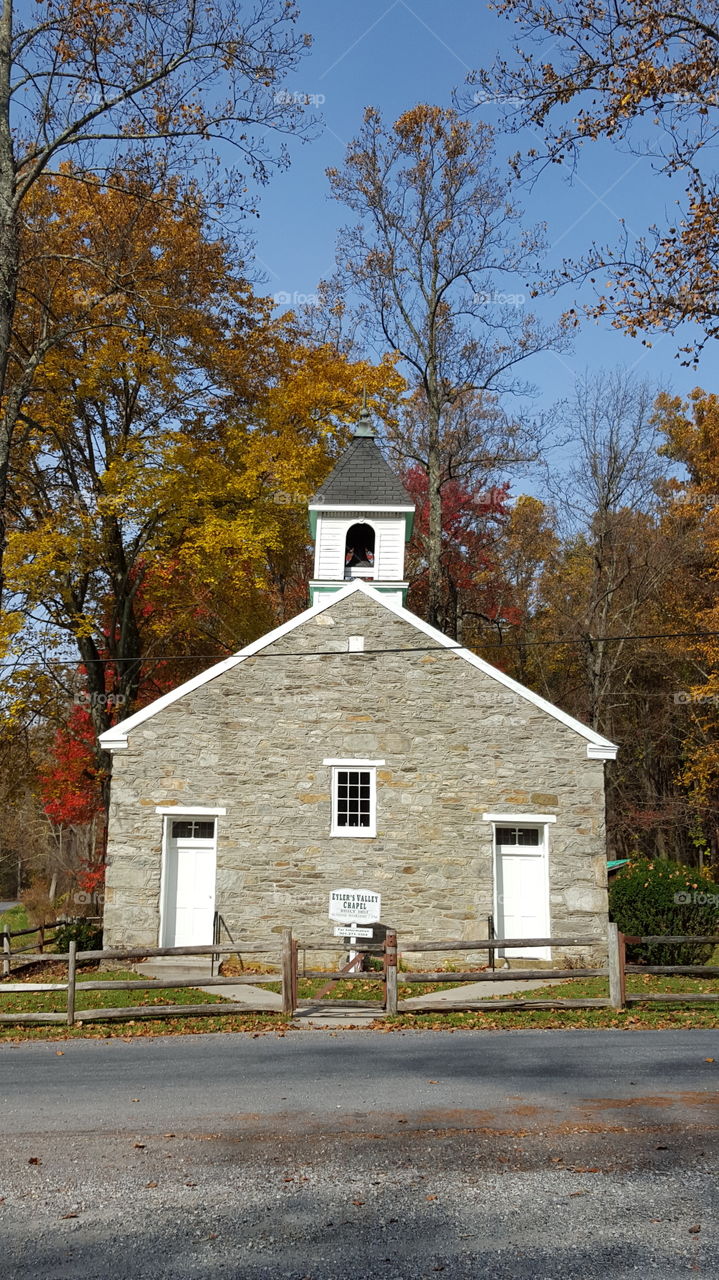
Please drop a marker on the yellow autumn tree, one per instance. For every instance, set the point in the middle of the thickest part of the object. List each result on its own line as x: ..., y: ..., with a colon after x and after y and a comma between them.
x: 169, y: 445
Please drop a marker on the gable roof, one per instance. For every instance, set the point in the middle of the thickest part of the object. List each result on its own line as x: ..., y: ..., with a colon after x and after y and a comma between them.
x: 362, y: 477
x: 598, y: 748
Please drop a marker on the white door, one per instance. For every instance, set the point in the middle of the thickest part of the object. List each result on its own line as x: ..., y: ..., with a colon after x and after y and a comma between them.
x: 522, y: 889
x: 189, y: 882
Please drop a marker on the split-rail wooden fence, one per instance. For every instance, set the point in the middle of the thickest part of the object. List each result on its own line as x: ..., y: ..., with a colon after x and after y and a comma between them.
x: 284, y: 956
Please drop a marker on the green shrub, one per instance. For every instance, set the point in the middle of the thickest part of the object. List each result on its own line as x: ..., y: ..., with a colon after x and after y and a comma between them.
x: 86, y: 933
x: 649, y: 898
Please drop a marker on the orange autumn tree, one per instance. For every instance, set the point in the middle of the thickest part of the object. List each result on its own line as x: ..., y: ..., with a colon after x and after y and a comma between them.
x: 86, y: 82
x: 691, y: 429
x: 168, y: 449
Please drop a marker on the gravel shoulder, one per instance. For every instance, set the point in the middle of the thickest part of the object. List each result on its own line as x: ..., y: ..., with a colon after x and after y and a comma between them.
x: 362, y: 1155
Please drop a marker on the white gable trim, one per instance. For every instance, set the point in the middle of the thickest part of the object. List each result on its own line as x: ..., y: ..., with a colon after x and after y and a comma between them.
x: 601, y: 748
x: 598, y: 748
x: 115, y: 739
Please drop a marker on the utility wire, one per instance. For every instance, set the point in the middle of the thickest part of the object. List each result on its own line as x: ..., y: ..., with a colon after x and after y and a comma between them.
x: 337, y: 653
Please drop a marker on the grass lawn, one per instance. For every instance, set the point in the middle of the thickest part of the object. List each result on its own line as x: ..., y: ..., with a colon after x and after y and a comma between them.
x: 637, y: 1016
x: 56, y: 1002
x: 358, y: 989
x: 16, y: 920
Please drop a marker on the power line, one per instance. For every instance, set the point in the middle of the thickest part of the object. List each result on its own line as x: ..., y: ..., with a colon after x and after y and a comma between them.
x: 339, y: 653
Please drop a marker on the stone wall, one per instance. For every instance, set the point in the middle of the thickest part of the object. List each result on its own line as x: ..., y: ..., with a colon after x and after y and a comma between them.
x: 456, y: 744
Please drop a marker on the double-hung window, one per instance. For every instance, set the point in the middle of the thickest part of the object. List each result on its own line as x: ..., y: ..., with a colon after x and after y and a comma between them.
x: 354, y: 797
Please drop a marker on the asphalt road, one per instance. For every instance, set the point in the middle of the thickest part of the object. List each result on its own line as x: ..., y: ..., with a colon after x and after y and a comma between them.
x: 360, y: 1155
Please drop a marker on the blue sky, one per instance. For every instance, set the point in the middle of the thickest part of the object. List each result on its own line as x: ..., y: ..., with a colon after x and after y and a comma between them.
x: 393, y: 54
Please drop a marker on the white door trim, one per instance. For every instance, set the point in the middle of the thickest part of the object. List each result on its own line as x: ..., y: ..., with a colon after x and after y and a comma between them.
x: 520, y: 819
x: 184, y: 811
x: 167, y: 814
x: 539, y: 953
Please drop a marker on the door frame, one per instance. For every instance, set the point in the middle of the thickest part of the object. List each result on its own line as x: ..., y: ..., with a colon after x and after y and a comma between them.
x: 167, y: 813
x: 544, y: 821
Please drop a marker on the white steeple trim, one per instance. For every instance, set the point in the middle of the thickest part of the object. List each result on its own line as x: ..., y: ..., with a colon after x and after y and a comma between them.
x: 328, y: 507
x: 116, y: 739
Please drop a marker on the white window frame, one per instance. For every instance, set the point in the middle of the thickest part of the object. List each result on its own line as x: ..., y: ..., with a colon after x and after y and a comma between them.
x: 366, y: 766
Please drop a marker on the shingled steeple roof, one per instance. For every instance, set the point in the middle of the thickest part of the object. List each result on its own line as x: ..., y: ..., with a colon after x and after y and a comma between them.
x: 361, y: 476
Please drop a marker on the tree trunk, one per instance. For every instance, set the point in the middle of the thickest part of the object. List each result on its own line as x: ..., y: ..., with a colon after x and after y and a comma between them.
x: 434, y: 498
x: 9, y: 259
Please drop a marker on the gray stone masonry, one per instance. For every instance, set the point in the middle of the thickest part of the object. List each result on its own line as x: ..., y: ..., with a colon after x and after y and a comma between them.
x: 456, y: 744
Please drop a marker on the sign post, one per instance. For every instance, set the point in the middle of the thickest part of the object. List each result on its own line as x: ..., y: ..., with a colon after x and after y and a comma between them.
x: 354, y: 908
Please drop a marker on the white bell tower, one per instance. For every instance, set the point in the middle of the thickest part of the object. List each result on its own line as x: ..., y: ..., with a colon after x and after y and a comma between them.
x: 361, y: 519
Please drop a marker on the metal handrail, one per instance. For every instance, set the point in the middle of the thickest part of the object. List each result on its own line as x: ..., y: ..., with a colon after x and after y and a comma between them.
x: 218, y: 924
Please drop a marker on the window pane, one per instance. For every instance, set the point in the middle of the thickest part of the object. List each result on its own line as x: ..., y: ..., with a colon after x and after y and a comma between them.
x: 193, y: 830
x: 506, y: 835
x: 528, y: 835
x: 353, y: 797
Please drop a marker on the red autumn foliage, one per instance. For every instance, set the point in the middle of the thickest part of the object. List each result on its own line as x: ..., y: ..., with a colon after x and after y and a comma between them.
x: 91, y: 877
x: 71, y: 782
x: 471, y: 521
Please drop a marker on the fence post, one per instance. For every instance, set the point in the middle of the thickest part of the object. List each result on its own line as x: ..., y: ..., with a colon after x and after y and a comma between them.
x: 6, y: 952
x: 71, y: 971
x: 616, y: 950
x: 390, y: 971
x: 295, y: 968
x: 287, y: 983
